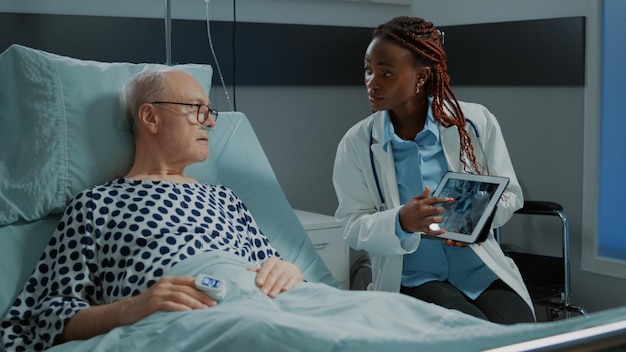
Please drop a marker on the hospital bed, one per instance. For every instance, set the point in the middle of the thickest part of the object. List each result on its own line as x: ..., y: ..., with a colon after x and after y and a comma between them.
x: 62, y: 130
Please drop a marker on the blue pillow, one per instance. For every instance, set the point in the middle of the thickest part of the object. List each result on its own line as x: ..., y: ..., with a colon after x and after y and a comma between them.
x: 63, y: 128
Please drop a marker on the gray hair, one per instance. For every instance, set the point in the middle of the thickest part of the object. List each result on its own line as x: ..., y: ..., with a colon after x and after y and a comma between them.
x: 144, y: 87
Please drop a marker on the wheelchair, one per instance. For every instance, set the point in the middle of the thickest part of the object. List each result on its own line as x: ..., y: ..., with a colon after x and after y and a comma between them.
x: 547, y: 277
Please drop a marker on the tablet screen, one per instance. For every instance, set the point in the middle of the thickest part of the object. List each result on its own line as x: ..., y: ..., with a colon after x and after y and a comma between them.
x: 475, y: 198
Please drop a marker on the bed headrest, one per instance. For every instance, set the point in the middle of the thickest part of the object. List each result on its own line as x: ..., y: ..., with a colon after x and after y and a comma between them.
x: 63, y: 128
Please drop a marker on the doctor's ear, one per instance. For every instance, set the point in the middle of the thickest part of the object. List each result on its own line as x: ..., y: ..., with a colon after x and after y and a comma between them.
x: 423, y: 74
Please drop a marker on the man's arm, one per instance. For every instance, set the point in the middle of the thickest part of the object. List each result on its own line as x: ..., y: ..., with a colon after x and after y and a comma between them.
x: 170, y: 293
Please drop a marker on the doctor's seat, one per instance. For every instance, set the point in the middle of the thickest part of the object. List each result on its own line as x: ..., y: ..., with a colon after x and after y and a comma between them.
x: 547, y: 277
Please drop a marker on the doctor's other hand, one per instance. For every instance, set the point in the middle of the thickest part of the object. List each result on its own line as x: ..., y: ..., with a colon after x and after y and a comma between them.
x: 454, y: 243
x: 421, y: 211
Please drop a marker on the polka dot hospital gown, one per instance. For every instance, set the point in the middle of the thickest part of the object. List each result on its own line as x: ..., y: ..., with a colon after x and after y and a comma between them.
x: 116, y: 240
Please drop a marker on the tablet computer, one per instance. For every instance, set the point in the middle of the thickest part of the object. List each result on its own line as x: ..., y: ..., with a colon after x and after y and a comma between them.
x: 468, y: 218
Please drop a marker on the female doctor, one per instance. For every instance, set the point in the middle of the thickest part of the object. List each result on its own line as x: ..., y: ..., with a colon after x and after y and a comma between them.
x: 387, y: 165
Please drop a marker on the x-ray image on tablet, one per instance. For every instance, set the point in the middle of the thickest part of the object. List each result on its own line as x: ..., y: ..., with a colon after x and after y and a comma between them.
x: 468, y: 218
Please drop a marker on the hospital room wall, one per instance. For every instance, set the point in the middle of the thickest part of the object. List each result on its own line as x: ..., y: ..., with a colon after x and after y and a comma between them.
x: 300, y: 126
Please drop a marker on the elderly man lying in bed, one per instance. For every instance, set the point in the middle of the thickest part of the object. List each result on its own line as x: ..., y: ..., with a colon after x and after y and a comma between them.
x: 103, y: 267
x: 109, y: 261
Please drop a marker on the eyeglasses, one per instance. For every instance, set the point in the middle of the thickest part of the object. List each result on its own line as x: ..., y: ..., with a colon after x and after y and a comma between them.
x: 203, y: 110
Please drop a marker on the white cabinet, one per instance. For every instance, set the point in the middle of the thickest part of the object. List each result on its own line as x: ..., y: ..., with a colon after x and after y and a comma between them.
x: 325, y: 233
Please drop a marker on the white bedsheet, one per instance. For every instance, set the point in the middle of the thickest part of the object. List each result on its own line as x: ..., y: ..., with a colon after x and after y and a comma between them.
x: 311, y: 317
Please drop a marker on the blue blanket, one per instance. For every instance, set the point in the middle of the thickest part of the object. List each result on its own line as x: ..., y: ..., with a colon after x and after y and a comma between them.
x: 310, y: 317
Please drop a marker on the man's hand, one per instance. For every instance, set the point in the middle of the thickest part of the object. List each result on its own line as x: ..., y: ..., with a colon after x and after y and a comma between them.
x: 170, y: 293
x: 276, y: 276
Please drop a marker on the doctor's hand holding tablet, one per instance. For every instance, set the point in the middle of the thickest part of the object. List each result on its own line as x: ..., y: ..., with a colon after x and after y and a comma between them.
x: 468, y: 220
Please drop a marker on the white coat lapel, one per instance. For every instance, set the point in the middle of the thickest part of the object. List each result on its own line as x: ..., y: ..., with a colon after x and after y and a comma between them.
x: 451, y: 147
x: 386, y: 174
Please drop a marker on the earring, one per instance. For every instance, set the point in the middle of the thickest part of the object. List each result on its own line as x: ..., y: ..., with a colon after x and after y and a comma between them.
x: 417, y: 87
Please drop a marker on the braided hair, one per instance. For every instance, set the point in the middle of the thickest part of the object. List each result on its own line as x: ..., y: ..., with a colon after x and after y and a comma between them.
x: 425, y: 42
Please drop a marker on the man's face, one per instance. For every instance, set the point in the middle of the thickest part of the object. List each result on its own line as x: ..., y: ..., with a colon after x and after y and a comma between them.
x: 181, y: 136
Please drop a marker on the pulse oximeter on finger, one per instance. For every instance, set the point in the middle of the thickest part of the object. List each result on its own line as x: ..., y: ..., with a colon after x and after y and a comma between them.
x: 211, y: 285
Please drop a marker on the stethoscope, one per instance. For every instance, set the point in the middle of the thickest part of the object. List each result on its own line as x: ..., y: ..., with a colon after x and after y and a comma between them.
x: 380, y: 191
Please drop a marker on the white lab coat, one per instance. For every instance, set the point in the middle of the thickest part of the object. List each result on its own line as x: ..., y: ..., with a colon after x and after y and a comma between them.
x: 366, y: 228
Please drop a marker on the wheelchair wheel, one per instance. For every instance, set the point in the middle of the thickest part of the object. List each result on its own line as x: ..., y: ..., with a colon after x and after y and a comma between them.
x: 361, y: 273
